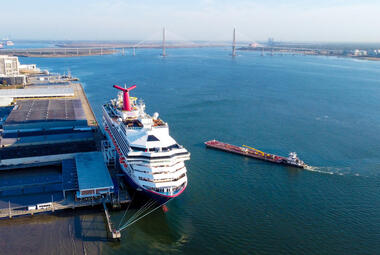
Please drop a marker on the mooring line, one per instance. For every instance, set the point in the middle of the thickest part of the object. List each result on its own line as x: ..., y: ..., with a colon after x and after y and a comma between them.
x: 124, y: 227
x: 142, y: 210
x: 125, y: 213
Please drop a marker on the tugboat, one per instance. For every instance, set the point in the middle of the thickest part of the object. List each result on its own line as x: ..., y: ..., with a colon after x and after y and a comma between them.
x: 293, y: 160
x: 153, y: 162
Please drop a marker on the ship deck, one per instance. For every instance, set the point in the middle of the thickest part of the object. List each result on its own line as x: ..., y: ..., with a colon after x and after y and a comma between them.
x: 131, y: 122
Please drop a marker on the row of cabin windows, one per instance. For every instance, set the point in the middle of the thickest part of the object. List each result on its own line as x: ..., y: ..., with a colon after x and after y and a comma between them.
x: 162, y: 180
x: 163, y: 172
x: 174, y: 189
x: 163, y: 149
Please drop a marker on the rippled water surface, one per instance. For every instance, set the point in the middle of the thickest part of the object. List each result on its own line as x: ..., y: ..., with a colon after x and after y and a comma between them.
x: 326, y: 109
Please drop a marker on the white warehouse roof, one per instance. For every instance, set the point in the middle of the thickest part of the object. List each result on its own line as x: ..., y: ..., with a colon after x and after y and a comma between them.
x: 92, y: 171
x: 37, y: 92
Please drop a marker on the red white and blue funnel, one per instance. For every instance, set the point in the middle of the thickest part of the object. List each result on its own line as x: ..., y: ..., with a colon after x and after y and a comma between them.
x: 126, y: 102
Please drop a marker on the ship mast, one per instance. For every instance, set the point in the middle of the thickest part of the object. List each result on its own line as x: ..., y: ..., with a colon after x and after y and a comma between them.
x: 233, y: 44
x: 163, y: 43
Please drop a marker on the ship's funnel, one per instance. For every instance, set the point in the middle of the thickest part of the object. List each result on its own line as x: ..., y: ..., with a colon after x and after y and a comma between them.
x: 126, y: 102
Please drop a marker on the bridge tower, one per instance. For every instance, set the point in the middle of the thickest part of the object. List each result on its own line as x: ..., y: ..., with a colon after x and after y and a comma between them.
x: 163, y: 43
x: 233, y: 44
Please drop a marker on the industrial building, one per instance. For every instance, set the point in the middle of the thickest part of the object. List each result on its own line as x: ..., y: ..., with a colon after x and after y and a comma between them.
x: 9, y: 71
x: 87, y: 175
x: 45, y: 115
x: 31, y: 68
x: 26, y: 135
x: 9, y: 65
x: 49, y: 152
x: 7, y: 96
x: 94, y: 179
x: 45, y: 120
x: 79, y: 176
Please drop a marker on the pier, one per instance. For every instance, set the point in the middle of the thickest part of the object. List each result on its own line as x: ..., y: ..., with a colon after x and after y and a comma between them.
x: 115, y: 234
x: 50, y: 150
x: 68, y: 203
x: 53, y: 156
x: 90, y: 116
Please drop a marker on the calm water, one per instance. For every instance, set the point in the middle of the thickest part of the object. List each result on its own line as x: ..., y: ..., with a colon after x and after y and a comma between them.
x: 326, y: 109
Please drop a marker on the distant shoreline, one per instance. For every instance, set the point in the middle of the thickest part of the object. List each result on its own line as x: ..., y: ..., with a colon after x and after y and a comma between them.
x: 137, y: 45
x: 368, y: 58
x: 92, y: 49
x: 58, y: 53
x: 82, y: 49
x: 307, y: 51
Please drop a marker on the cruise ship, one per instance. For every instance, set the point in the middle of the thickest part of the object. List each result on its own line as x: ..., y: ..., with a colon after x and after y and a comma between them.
x: 153, y: 162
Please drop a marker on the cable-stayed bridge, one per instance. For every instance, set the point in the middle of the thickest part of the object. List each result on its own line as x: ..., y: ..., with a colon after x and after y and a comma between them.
x: 160, y: 40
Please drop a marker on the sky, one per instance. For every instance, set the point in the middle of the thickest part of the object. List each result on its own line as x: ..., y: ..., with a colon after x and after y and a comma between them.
x: 209, y: 20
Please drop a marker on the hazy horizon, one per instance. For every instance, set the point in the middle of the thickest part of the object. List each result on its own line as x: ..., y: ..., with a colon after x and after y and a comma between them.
x: 334, y: 21
x: 228, y: 41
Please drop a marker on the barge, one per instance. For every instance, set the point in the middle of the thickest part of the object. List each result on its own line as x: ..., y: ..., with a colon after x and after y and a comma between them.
x: 291, y: 160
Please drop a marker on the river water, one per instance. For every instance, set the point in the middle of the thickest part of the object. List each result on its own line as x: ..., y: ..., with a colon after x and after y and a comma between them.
x: 325, y: 108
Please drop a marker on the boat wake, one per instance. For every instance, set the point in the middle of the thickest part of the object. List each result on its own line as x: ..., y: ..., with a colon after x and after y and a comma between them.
x: 330, y: 170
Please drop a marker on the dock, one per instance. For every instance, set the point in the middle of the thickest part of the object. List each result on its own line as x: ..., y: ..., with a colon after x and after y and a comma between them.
x: 50, y: 150
x: 90, y: 116
x: 53, y: 155
x: 75, y: 181
x: 115, y: 234
x: 68, y: 203
x: 247, y: 151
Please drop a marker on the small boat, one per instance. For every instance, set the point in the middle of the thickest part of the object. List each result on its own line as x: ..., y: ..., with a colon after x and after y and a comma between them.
x: 10, y: 43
